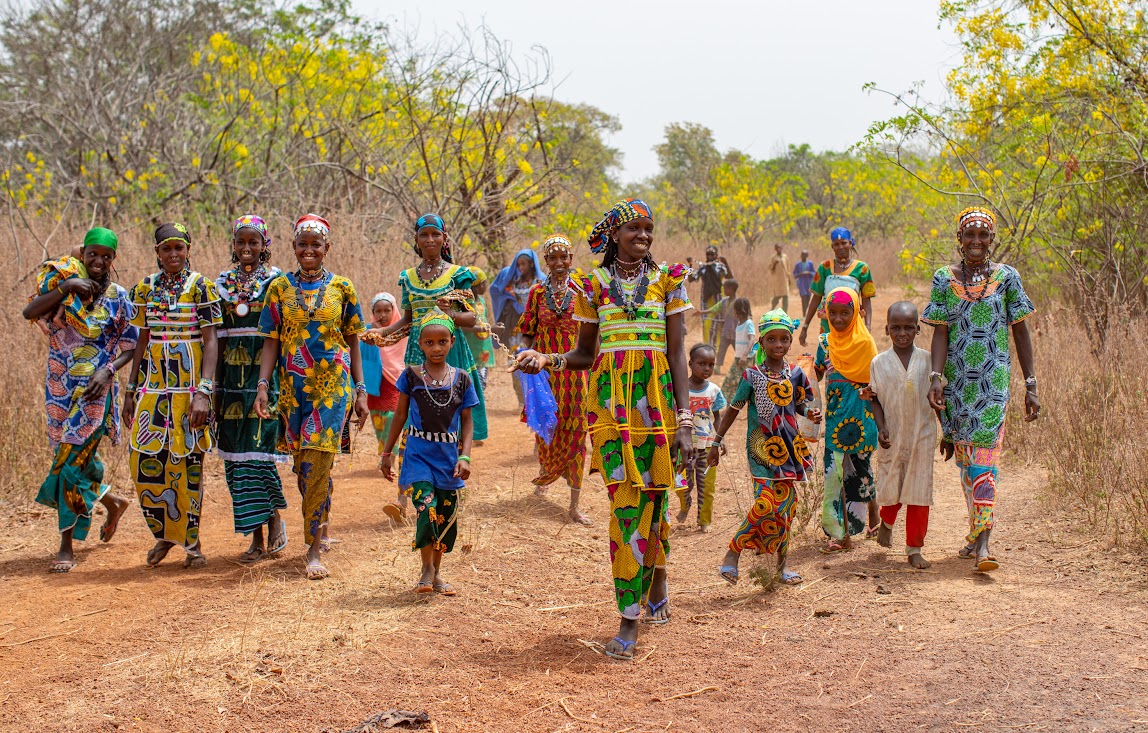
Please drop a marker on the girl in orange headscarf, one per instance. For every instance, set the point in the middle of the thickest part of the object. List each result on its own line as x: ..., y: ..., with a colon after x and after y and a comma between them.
x: 843, y: 358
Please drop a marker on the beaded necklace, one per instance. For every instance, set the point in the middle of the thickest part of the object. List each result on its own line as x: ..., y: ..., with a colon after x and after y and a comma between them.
x: 980, y: 277
x: 438, y: 271
x: 629, y: 305
x: 428, y: 383
x: 322, y: 277
x: 558, y: 309
x: 241, y: 286
x: 167, y: 288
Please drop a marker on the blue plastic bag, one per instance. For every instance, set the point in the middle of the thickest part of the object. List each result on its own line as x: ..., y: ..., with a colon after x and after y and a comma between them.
x: 541, y: 407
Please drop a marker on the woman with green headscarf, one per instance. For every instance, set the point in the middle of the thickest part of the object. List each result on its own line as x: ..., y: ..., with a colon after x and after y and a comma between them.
x: 92, y: 341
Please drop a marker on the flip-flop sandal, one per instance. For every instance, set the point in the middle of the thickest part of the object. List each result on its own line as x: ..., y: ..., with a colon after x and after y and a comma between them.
x: 279, y: 541
x: 967, y: 552
x: 653, y: 608
x: 833, y: 548
x: 316, y: 571
x: 394, y: 512
x: 789, y: 577
x: 988, y: 563
x: 111, y: 524
x: 156, y: 554
x: 195, y: 561
x: 728, y: 573
x: 627, y: 653
x: 422, y: 587
x: 444, y: 589
x: 251, y: 556
x: 871, y: 532
x: 62, y: 566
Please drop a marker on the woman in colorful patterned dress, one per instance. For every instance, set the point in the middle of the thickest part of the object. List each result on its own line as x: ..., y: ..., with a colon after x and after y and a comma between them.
x: 311, y: 322
x: 632, y: 334
x: 81, y: 393
x: 843, y: 271
x: 246, y: 442
x: 424, y: 288
x: 177, y: 312
x: 972, y: 307
x: 547, y: 325
x: 478, y: 336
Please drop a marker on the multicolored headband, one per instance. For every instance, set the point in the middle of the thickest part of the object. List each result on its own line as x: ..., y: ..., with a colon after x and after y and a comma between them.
x: 774, y: 320
x: 251, y: 221
x: 434, y: 221
x: 479, y: 274
x: 436, y: 317
x: 313, y: 223
x: 98, y: 236
x: 168, y: 232
x: 556, y: 241
x: 976, y: 217
x: 841, y: 233
x: 620, y: 213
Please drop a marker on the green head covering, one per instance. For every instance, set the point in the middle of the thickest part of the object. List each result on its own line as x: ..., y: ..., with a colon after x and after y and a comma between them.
x: 436, y: 317
x: 775, y: 320
x: 102, y: 238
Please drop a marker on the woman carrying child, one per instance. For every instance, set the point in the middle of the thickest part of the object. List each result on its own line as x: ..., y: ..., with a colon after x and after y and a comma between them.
x: 435, y: 403
x: 632, y: 332
x: 972, y: 307
x: 843, y: 358
x: 311, y: 322
x: 246, y: 442
x: 548, y: 325
x: 776, y: 392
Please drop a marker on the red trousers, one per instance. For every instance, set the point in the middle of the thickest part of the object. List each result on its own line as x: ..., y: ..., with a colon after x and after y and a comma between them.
x: 916, y: 522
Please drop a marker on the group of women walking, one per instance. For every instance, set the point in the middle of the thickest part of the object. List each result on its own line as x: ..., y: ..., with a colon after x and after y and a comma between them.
x: 277, y: 359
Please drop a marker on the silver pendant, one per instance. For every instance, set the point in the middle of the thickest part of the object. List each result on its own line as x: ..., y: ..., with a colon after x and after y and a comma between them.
x: 242, y: 310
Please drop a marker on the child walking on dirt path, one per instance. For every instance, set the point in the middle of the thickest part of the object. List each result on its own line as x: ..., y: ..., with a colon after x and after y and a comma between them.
x: 706, y: 404
x: 776, y: 392
x: 906, y: 431
x: 722, y: 334
x: 745, y: 336
x: 435, y: 402
x: 843, y: 358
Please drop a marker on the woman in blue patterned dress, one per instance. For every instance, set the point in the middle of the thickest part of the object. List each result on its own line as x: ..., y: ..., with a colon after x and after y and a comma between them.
x: 972, y: 306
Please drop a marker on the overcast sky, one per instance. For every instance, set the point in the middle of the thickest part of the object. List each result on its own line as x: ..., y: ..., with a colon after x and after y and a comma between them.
x: 761, y: 75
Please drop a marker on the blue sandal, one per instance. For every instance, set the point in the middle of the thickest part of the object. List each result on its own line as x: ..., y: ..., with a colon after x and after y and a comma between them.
x: 652, y: 608
x: 728, y: 573
x: 627, y: 653
x: 789, y: 577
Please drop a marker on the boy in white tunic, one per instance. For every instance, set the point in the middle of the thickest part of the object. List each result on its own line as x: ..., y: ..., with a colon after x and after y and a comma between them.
x: 907, y: 429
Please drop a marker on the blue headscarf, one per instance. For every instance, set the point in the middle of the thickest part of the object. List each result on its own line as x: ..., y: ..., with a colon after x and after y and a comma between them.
x: 434, y: 221
x: 841, y: 233
x: 507, y: 274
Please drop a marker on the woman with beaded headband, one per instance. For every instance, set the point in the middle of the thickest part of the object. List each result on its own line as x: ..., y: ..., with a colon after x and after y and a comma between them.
x: 548, y: 325
x: 311, y: 322
x: 246, y: 442
x: 631, y: 334
x: 94, y: 339
x: 972, y: 307
x: 437, y: 282
x: 177, y: 312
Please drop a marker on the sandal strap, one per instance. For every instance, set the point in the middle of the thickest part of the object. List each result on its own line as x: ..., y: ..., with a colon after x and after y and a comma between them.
x: 626, y: 645
x: 655, y: 607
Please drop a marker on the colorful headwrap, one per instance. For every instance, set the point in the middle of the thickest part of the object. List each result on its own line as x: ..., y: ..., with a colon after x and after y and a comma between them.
x: 313, y: 223
x: 976, y: 217
x: 851, y: 351
x: 556, y: 241
x: 619, y: 214
x: 168, y: 232
x: 840, y: 297
x: 102, y: 238
x: 478, y: 272
x: 434, y: 221
x: 841, y: 233
x: 436, y: 317
x: 251, y: 221
x: 774, y: 320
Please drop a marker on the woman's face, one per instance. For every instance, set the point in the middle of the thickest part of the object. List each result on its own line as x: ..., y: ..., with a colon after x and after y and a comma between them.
x: 525, y: 267
x: 98, y: 260
x: 172, y: 255
x: 975, y: 244
x: 635, y: 238
x: 381, y: 312
x: 842, y: 249
x: 558, y: 261
x: 247, y: 244
x: 310, y: 249
x: 430, y: 242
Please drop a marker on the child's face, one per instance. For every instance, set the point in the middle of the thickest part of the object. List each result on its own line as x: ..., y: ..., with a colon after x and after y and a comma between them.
x: 729, y: 289
x: 741, y: 314
x: 702, y: 364
x: 435, y: 341
x: 478, y: 288
x: 381, y: 312
x: 902, y: 329
x: 776, y: 343
x: 840, y: 315
x: 558, y: 261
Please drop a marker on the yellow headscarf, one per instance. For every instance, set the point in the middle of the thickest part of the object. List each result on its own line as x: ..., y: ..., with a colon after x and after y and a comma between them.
x: 851, y: 351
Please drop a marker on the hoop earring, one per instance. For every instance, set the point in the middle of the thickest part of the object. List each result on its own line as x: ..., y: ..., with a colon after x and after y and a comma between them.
x: 265, y: 256
x: 234, y: 258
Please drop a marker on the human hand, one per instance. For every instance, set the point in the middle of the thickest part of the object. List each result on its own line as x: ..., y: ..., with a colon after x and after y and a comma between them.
x: 813, y: 416
x: 200, y: 411
x: 947, y: 449
x: 803, y: 335
x: 866, y: 393
x: 883, y: 438
x: 724, y: 450
x: 530, y: 361
x: 85, y: 288
x: 129, y: 413
x: 462, y: 469
x: 937, y: 396
x: 387, y: 466
x: 261, y: 403
x: 690, y: 261
x: 98, y: 385
x: 444, y: 304
x: 362, y: 412
x: 682, y: 445
x: 1031, y: 405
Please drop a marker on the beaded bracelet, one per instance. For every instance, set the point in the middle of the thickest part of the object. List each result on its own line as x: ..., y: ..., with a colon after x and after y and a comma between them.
x: 205, y: 387
x: 133, y: 387
x: 557, y: 362
x: 464, y: 458
x: 361, y: 387
x: 718, y: 439
x: 263, y: 383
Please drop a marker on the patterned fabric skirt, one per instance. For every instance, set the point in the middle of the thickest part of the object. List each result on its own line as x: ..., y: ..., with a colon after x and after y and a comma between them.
x: 980, y: 472
x: 701, y: 479
x: 170, y: 492
x: 381, y: 422
x: 766, y: 526
x: 848, y: 490
x: 436, y: 517
x: 313, y: 470
x: 256, y: 492
x: 639, y: 542
x: 75, y: 484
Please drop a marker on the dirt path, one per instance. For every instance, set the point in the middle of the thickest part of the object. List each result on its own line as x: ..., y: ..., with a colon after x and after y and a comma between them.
x: 1055, y: 640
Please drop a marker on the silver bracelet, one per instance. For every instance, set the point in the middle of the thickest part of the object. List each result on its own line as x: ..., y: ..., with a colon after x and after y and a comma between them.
x: 1030, y: 381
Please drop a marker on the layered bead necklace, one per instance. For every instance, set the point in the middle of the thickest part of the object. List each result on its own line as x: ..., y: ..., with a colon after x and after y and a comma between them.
x: 558, y: 307
x: 303, y: 276
x: 168, y: 287
x: 436, y: 271
x: 979, y: 275
x: 628, y: 272
x: 241, y: 286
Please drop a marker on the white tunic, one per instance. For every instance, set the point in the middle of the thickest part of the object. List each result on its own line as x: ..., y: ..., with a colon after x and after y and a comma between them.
x: 905, y: 471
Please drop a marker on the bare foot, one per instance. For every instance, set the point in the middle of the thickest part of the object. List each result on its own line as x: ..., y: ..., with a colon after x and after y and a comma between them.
x: 919, y: 562
x: 885, y: 535
x: 683, y: 515
x: 579, y: 518
x: 703, y: 528
x: 116, y: 508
